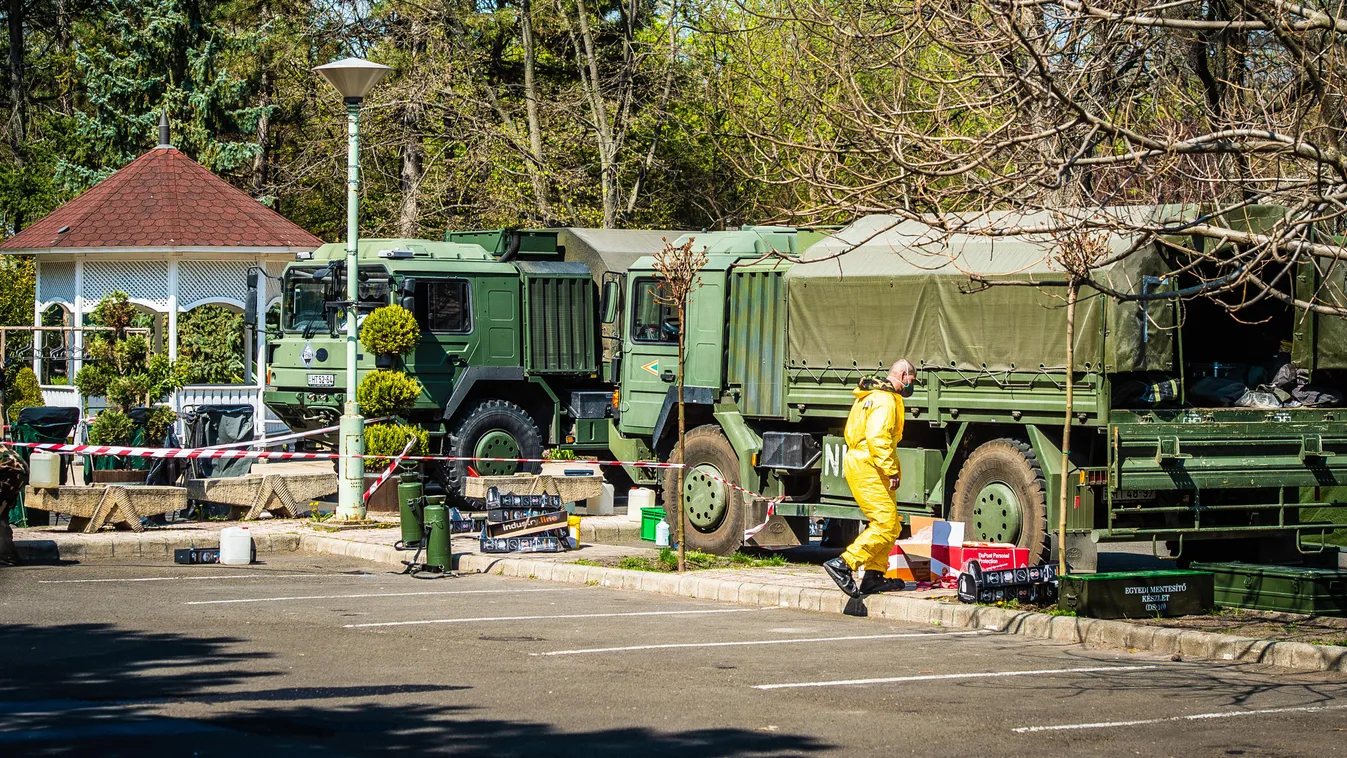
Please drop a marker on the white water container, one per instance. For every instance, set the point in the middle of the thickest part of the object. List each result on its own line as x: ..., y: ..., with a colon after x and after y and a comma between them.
x: 44, y: 469
x: 639, y: 498
x: 662, y: 534
x: 603, y: 504
x: 236, y: 546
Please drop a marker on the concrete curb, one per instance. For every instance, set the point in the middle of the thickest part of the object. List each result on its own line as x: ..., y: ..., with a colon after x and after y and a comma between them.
x: 1094, y: 633
x: 151, y: 544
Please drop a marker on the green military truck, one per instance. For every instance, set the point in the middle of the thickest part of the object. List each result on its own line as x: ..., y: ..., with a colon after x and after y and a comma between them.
x: 775, y: 347
x: 510, y: 355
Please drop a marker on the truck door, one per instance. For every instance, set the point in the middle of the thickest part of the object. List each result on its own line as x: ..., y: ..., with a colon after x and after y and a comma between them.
x: 448, y: 313
x: 649, y: 355
x: 650, y: 348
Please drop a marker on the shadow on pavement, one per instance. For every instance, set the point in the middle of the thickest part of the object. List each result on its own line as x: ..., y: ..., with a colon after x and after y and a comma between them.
x: 99, y: 690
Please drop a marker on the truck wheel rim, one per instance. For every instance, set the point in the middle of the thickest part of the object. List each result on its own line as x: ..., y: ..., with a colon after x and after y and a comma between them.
x: 996, y: 517
x: 495, y: 444
x: 704, y: 497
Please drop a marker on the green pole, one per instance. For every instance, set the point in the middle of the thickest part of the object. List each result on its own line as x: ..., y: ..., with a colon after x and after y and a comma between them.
x: 350, y: 503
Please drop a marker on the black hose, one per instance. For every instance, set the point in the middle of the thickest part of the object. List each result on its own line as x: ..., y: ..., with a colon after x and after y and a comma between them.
x: 513, y: 250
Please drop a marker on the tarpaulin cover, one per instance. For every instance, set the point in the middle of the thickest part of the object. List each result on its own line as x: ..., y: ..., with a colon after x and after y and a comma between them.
x: 209, y: 425
x: 899, y: 292
x: 41, y: 424
x: 1330, y: 331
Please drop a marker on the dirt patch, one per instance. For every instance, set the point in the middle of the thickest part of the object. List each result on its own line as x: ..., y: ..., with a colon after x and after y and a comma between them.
x: 1282, y: 627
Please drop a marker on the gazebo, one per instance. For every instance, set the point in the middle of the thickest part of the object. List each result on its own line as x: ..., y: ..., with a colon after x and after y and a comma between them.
x: 172, y: 236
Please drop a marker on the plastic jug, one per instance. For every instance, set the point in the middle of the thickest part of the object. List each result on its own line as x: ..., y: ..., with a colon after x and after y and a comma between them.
x: 44, y: 469
x: 236, y: 546
x: 662, y: 534
x: 603, y: 504
x: 639, y: 498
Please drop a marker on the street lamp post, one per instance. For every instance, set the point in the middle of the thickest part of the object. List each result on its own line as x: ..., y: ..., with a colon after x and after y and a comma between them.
x: 353, y: 78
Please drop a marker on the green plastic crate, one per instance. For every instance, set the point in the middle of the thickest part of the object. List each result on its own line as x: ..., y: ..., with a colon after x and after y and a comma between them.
x: 1285, y: 589
x: 650, y: 518
x: 1136, y: 594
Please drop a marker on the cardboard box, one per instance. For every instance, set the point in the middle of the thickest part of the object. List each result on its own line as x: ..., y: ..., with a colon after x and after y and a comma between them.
x: 909, y: 568
x: 912, y: 558
x: 992, y: 556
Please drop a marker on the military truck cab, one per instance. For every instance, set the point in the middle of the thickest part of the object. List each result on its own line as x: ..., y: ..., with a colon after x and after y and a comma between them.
x: 509, y: 356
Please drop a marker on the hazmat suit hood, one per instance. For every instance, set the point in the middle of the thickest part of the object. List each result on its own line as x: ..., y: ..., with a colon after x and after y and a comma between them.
x: 871, y: 384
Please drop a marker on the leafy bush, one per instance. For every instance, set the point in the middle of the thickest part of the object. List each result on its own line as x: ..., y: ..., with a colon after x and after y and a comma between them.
x: 157, y: 424
x: 387, y: 440
x: 112, y: 427
x: 210, y: 345
x: 119, y: 366
x: 24, y: 392
x: 387, y: 393
x: 390, y: 330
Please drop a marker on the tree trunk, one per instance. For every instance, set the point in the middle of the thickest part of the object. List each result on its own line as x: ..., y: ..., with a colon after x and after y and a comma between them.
x: 536, y: 168
x: 1071, y: 292
x: 262, y: 161
x: 412, y: 154
x: 18, y: 117
x: 682, y: 438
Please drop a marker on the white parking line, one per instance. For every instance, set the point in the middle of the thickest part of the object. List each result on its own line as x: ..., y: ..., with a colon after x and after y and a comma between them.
x: 563, y: 616
x: 1192, y: 717
x: 258, y: 575
x: 933, y: 677
x: 375, y: 594
x: 753, y: 642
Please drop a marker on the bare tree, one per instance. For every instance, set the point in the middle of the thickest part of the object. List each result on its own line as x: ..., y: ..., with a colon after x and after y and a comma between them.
x: 1226, y: 115
x: 679, y: 268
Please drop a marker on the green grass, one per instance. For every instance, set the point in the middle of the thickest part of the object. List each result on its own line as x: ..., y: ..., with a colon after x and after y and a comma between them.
x: 667, y: 560
x: 1060, y: 612
x: 586, y: 562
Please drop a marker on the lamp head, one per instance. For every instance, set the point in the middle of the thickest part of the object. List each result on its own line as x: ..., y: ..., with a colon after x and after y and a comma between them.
x: 353, y: 77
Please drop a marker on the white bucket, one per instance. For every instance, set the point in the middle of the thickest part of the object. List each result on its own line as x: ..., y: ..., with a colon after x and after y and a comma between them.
x: 236, y: 546
x: 602, y: 505
x: 639, y: 498
x: 44, y: 469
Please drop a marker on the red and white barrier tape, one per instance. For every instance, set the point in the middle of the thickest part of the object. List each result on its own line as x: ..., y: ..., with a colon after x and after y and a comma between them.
x: 393, y: 464
x: 215, y: 453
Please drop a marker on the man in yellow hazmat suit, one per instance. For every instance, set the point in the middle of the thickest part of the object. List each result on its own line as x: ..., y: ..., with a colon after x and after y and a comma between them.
x: 874, y: 428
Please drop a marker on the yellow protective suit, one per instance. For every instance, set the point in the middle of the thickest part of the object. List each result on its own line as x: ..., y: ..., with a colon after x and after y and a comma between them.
x: 874, y: 427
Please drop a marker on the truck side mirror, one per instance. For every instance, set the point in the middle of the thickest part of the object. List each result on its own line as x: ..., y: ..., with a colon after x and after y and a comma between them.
x: 407, y: 289
x: 609, y: 299
x: 250, y: 299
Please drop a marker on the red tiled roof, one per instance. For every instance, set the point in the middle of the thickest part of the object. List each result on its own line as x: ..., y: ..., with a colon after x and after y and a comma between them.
x: 162, y: 199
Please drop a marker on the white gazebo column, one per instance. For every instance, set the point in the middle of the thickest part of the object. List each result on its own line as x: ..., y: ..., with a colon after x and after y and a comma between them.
x: 77, y: 320
x: 173, y: 309
x: 260, y: 352
x: 37, y: 321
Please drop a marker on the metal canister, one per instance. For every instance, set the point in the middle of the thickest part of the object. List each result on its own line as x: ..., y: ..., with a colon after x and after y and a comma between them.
x: 439, y: 553
x: 410, y: 506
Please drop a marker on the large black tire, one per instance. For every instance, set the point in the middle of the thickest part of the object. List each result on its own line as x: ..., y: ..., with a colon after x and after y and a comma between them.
x: 1001, y: 496
x: 494, y: 426
x: 715, y: 511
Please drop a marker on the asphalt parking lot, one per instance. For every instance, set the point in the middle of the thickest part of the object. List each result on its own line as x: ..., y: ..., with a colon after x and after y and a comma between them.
x: 317, y: 656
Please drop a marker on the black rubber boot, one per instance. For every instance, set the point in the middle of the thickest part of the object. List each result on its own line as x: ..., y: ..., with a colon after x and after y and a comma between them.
x: 840, y: 572
x: 875, y: 582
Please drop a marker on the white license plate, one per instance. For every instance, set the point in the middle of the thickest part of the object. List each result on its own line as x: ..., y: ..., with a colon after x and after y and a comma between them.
x: 321, y: 380
x: 1134, y: 495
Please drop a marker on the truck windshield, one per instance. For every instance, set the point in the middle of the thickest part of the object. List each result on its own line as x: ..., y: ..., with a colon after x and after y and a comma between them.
x: 306, y: 305
x: 303, y: 300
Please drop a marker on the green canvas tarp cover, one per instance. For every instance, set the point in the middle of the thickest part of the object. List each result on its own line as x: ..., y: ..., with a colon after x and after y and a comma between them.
x: 898, y: 290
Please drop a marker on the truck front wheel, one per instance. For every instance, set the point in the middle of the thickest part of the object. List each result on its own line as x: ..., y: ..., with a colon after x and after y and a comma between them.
x: 1000, y: 496
x: 491, y: 429
x: 715, y: 514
